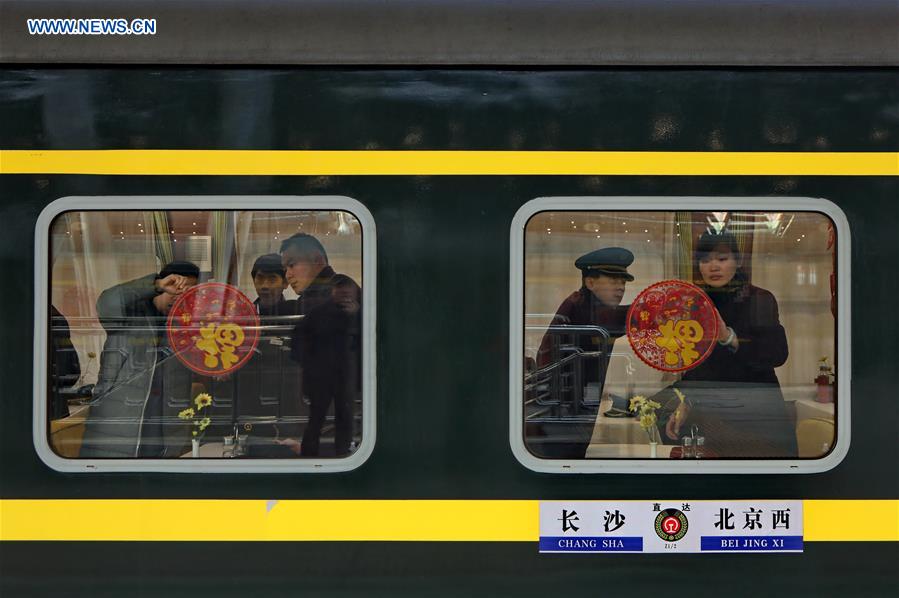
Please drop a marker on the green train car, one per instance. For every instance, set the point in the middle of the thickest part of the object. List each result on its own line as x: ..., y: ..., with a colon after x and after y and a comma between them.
x: 377, y: 299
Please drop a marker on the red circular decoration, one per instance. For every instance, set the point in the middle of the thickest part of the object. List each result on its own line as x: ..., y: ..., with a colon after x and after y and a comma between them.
x: 672, y: 326
x: 213, y: 329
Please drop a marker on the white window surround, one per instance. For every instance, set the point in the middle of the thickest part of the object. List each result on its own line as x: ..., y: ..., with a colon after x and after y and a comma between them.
x: 203, y: 202
x: 670, y: 204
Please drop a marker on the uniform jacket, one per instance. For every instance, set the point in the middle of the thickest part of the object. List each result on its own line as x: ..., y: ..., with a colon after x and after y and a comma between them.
x: 582, y: 308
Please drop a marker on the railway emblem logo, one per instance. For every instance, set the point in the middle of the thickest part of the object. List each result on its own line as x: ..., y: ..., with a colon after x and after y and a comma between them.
x: 671, y: 525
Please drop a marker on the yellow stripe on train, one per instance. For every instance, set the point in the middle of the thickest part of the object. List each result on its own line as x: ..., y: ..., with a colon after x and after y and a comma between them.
x: 356, y: 520
x: 439, y: 162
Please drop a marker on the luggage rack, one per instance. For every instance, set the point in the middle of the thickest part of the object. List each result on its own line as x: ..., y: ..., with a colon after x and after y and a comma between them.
x: 555, y: 393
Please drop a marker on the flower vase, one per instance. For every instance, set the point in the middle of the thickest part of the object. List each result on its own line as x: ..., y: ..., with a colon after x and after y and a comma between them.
x: 654, y: 439
x: 825, y: 390
x: 195, y: 448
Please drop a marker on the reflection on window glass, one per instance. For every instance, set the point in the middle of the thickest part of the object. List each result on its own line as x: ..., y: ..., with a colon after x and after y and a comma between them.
x: 696, y: 335
x: 210, y: 334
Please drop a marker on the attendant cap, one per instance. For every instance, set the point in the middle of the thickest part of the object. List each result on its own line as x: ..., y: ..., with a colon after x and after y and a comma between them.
x: 611, y: 261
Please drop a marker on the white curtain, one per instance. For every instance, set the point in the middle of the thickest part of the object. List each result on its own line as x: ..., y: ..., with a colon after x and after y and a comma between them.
x: 91, y: 252
x: 222, y: 226
x: 798, y: 272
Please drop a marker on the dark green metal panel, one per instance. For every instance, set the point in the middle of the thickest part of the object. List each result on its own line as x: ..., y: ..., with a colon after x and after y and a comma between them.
x: 443, y: 265
x: 436, y: 569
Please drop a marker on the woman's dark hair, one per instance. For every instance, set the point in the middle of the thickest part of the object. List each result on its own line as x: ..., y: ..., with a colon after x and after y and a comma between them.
x: 709, y: 241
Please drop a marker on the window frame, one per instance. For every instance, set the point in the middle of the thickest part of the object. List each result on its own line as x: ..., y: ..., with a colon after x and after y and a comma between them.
x: 843, y: 331
x: 42, y: 254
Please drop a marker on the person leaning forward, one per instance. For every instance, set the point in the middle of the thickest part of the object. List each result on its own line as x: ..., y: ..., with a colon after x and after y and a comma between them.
x: 326, y: 341
x: 138, y: 372
x: 597, y: 303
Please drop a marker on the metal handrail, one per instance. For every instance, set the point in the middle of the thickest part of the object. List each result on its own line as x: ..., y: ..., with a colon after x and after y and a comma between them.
x: 553, y: 374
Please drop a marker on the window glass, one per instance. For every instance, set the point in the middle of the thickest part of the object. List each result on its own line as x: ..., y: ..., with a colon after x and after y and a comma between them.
x: 211, y: 334
x: 679, y: 335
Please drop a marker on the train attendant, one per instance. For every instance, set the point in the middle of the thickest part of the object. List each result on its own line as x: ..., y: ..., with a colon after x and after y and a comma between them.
x: 736, y: 398
x: 326, y: 341
x: 597, y: 303
x: 138, y: 370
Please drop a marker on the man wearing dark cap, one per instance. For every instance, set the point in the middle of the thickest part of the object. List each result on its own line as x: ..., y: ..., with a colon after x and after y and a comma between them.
x: 139, y: 376
x: 270, y: 280
x: 597, y: 303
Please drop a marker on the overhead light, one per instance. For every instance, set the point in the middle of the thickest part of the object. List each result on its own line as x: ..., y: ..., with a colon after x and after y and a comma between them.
x: 717, y: 220
x: 773, y: 221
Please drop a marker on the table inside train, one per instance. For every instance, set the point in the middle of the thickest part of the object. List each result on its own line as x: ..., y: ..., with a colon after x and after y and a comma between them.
x: 620, y: 437
x: 616, y: 430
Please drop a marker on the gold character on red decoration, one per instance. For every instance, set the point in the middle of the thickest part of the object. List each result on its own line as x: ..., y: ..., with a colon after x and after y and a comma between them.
x: 219, y: 342
x: 680, y: 337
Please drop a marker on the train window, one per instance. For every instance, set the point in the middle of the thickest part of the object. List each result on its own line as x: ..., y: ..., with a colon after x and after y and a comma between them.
x: 679, y: 335
x: 204, y: 334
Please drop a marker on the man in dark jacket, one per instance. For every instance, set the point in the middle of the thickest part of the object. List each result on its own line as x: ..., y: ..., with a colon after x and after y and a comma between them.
x: 597, y: 304
x: 267, y: 389
x: 140, y: 383
x: 326, y: 341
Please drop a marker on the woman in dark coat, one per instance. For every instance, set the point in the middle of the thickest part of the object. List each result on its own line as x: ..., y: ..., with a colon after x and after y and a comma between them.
x: 735, y: 395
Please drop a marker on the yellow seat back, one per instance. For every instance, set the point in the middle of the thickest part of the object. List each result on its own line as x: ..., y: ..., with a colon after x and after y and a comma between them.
x: 814, y: 436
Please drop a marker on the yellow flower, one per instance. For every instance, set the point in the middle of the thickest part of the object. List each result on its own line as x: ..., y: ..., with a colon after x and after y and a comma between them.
x: 680, y: 395
x: 186, y: 414
x: 204, y: 423
x: 203, y: 400
x: 637, y: 402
